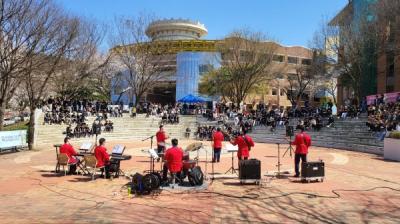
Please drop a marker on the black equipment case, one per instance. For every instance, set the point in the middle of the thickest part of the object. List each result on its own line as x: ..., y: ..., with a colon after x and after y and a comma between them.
x: 313, y: 171
x: 250, y: 170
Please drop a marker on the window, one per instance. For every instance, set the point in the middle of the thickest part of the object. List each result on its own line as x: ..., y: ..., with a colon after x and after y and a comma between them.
x: 274, y: 92
x: 205, y: 68
x: 306, y: 61
x: 278, y: 58
x: 293, y: 60
x: 282, y: 93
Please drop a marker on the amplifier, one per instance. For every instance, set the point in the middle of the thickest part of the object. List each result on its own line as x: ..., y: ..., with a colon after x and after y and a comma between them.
x: 250, y: 170
x: 313, y: 171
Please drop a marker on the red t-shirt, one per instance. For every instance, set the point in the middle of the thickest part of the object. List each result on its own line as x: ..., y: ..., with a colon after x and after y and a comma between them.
x: 100, y: 152
x: 242, y: 145
x: 174, y: 157
x: 69, y: 150
x: 218, y: 138
x: 302, y: 141
x: 161, y: 137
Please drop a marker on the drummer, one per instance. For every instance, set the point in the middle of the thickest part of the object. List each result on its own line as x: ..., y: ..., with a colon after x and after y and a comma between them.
x: 173, y: 157
x: 161, y: 137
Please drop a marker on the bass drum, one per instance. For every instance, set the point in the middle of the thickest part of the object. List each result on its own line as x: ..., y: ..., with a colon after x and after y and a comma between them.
x: 196, y: 176
x: 151, y: 182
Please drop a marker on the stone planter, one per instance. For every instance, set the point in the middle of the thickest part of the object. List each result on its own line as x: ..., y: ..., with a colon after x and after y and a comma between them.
x: 391, y: 150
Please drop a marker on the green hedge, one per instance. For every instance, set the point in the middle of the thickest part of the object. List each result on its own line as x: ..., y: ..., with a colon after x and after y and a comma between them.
x: 394, y: 134
x: 18, y: 126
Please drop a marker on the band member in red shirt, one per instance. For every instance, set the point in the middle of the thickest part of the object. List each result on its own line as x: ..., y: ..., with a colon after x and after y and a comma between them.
x: 161, y: 137
x: 218, y: 138
x: 244, y: 143
x: 103, y: 159
x: 69, y: 150
x: 302, y: 142
x: 173, y: 159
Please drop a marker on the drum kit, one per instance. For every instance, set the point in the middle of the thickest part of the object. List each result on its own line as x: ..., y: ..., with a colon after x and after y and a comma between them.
x: 188, y: 164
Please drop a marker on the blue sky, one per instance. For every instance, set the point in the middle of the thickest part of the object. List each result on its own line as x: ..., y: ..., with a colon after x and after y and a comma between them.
x: 291, y: 22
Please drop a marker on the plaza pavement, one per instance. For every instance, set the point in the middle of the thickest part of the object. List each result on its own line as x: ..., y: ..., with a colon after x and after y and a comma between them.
x: 31, y: 193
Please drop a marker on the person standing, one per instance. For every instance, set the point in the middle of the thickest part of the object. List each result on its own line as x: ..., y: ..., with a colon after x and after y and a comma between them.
x: 103, y: 159
x: 302, y: 141
x: 244, y: 143
x: 161, y: 137
x: 218, y: 137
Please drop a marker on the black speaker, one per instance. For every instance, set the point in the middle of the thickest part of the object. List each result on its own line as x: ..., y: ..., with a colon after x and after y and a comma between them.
x: 250, y: 169
x: 313, y: 170
x: 289, y: 131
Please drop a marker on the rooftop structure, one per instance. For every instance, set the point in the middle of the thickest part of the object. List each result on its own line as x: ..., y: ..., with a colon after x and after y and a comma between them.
x: 176, y: 29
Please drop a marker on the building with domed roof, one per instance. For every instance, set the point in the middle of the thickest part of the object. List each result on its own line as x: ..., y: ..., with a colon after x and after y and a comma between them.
x: 188, y: 56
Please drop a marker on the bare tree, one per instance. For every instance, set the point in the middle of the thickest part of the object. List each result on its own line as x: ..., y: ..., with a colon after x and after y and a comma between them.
x: 352, y: 45
x: 83, y: 64
x: 306, y: 78
x: 246, y: 62
x: 16, y: 32
x: 51, y: 44
x: 138, y: 57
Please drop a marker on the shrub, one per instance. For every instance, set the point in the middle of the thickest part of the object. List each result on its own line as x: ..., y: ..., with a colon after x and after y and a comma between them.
x: 395, y: 134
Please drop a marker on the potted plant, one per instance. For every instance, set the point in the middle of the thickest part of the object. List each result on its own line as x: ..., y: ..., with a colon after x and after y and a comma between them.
x: 391, y: 150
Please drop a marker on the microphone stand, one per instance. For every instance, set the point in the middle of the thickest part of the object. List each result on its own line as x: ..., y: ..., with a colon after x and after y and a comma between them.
x: 290, y: 148
x: 151, y: 157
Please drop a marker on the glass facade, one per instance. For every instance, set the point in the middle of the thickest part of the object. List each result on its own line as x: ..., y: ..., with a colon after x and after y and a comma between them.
x: 190, y: 66
x: 119, y: 89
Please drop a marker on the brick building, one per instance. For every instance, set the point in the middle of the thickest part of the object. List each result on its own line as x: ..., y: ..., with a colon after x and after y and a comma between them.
x: 381, y: 68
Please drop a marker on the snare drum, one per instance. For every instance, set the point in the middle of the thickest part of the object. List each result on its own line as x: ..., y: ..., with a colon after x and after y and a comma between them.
x: 189, y: 164
x: 186, y: 156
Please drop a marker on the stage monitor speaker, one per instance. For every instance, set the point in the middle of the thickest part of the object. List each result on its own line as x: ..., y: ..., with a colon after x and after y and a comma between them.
x: 313, y: 170
x: 289, y: 131
x: 250, y: 169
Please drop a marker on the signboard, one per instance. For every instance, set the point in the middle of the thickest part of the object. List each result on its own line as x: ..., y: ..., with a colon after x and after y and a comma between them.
x: 10, y: 139
x: 388, y: 98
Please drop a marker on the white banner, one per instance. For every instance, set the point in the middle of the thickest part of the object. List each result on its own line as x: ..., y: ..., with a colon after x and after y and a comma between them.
x: 12, y: 138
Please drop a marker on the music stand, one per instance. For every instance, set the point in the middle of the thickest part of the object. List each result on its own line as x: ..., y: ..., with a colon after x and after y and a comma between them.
x: 232, y: 149
x: 153, y: 156
x: 151, y: 147
x: 86, y: 147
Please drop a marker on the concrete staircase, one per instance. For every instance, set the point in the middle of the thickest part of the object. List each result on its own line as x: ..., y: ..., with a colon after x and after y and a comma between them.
x: 347, y: 134
x: 125, y: 128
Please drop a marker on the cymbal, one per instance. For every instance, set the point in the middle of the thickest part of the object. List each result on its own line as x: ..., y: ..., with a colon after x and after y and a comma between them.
x: 194, y: 147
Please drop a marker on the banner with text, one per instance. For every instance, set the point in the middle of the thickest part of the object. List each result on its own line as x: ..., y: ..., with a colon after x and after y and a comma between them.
x: 12, y: 138
x: 388, y: 98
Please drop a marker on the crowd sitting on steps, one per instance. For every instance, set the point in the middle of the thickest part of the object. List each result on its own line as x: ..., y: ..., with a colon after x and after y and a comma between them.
x: 64, y: 111
x: 383, y: 117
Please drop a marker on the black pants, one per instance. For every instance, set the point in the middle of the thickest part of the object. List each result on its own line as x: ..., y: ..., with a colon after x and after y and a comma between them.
x: 165, y: 173
x: 160, y: 148
x: 217, y: 154
x: 297, y: 158
x: 72, y: 169
x: 106, y: 170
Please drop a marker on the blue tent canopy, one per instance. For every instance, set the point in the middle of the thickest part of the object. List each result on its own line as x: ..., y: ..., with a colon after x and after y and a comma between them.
x: 191, y: 99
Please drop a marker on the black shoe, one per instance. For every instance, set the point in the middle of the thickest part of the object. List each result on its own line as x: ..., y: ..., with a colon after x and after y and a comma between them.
x: 296, y: 175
